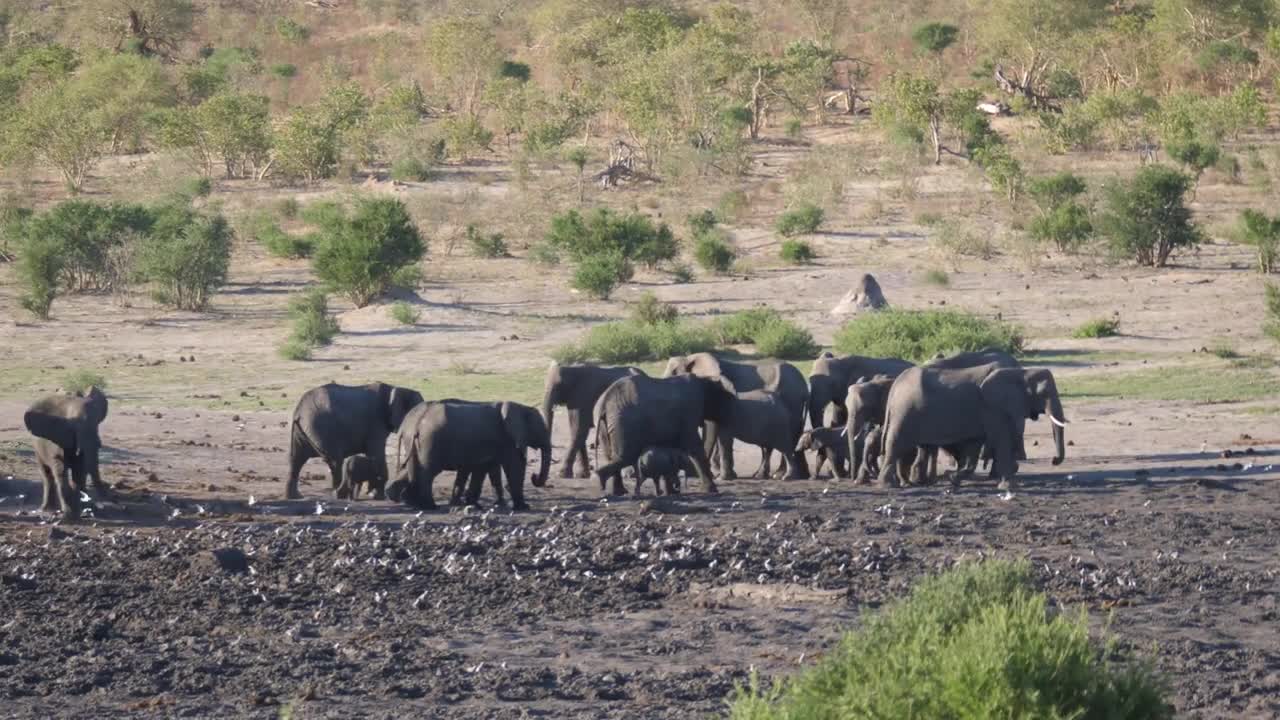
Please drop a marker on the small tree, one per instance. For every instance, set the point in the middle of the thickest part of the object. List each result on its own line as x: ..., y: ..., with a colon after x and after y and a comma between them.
x: 307, y: 146
x: 606, y: 240
x: 1263, y: 233
x: 1147, y: 219
x: 934, y: 37
x: 713, y: 252
x: 801, y: 220
x: 360, y: 255
x: 185, y: 256
x: 1062, y: 219
x: 40, y: 262
x: 579, y: 157
x: 1196, y: 156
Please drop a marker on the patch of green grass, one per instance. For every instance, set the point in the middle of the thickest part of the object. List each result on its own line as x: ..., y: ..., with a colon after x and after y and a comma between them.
x: 82, y: 380
x: 405, y: 314
x: 1199, y: 384
x: 1261, y: 410
x: 936, y: 277
x: 1224, y: 351
x: 1098, y: 328
x: 974, y: 642
x: 476, y: 383
x: 295, y: 349
x: 919, y: 335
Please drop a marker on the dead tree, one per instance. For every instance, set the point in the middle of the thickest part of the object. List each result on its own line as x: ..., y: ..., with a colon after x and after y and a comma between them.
x: 1024, y: 87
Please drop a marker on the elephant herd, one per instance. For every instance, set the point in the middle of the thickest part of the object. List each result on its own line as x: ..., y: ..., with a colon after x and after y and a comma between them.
x: 867, y: 417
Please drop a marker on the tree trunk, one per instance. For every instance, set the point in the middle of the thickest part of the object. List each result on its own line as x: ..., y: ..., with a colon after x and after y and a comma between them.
x: 936, y: 131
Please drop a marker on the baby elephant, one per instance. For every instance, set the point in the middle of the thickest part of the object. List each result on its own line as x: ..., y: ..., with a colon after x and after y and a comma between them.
x: 831, y: 446
x: 663, y: 466
x: 358, y: 470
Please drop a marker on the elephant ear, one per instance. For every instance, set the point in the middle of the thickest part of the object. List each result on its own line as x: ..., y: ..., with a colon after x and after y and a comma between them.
x: 1007, y: 390
x: 50, y: 426
x: 399, y: 401
x: 517, y: 424
x: 1042, y: 388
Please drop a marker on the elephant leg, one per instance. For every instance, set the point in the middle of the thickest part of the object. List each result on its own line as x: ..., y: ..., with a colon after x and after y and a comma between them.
x: 1021, y: 453
x: 67, y: 496
x: 495, y: 481
x: 577, y: 444
x: 49, y: 502
x: 341, y: 489
x: 764, y: 469
x: 799, y: 471
x: 515, y: 469
x: 300, y: 451
x: 789, y: 460
x: 460, y: 481
x: 726, y: 457
x: 75, y: 468
x: 671, y: 481
x: 693, y: 446
x: 611, y: 473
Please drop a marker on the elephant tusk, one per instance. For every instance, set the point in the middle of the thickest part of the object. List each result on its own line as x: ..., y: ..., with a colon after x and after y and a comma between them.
x: 1056, y: 421
x: 844, y: 432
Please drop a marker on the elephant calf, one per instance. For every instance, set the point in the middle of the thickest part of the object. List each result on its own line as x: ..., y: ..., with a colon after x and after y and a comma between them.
x: 363, y: 471
x: 67, y: 446
x: 663, y: 466
x: 829, y: 443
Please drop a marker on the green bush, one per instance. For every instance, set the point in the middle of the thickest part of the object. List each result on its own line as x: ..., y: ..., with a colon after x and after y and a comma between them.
x: 196, y: 187
x: 744, y: 326
x: 786, y: 340
x: 599, y: 275
x: 1263, y: 233
x: 934, y: 37
x: 359, y: 256
x: 285, y: 245
x: 649, y: 310
x: 794, y: 128
x: 40, y: 263
x: 292, y: 30
x: 701, y: 222
x: 797, y: 252
x: 633, y: 236
x: 681, y: 274
x: 288, y: 208
x: 936, y: 277
x: 1098, y: 328
x: 1147, y: 220
x: 974, y: 642
x: 284, y: 70
x: 919, y: 335
x: 955, y: 239
x: 1272, y: 324
x: 295, y: 350
x: 713, y: 252
x: 486, y: 245
x: 79, y: 381
x: 405, y: 314
x: 465, y: 136
x: 544, y: 253
x: 13, y: 227
x: 410, y: 169
x: 802, y: 220
x: 629, y: 341
x: 312, y: 324
x: 1062, y: 219
x: 185, y: 256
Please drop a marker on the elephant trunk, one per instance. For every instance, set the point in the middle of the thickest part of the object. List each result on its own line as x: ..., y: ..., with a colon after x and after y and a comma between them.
x: 1057, y: 419
x: 548, y: 407
x: 544, y: 466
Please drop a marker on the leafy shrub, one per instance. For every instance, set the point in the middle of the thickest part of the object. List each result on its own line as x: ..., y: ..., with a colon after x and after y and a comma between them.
x: 410, y: 169
x: 13, y: 227
x: 681, y: 274
x: 288, y: 208
x: 292, y: 30
x: 544, y: 253
x: 954, y: 239
x: 312, y: 325
x: 974, y: 642
x: 744, y: 326
x: 649, y: 310
x: 185, y: 256
x: 405, y: 314
x: 284, y: 70
x: 307, y: 146
x: 633, y: 236
x: 1062, y: 219
x: 486, y: 245
x: 599, y: 275
x: 701, y: 222
x: 936, y: 277
x: 794, y: 128
x: 40, y: 262
x: 282, y: 244
x: 1272, y: 298
x: 1263, y: 233
x: 465, y: 136
x: 934, y: 37
x: 79, y: 381
x: 919, y: 335
x: 802, y: 220
x: 797, y: 252
x: 713, y: 252
x: 359, y: 255
x: 786, y: 340
x: 408, y: 277
x: 629, y: 341
x: 196, y: 187
x: 1098, y: 328
x: 929, y: 218
x: 1147, y: 220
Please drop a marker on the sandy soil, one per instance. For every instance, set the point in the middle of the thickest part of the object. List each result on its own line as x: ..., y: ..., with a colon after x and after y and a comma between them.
x: 584, y: 608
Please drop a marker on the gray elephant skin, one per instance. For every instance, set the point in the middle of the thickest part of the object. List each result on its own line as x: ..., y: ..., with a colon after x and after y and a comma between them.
x: 333, y: 422
x: 830, y: 446
x: 639, y: 412
x: 67, y: 445
x: 864, y: 408
x: 663, y: 466
x: 361, y: 472
x: 469, y: 437
x: 577, y: 388
x: 831, y: 377
x: 929, y: 407
x: 760, y: 418
x: 772, y: 375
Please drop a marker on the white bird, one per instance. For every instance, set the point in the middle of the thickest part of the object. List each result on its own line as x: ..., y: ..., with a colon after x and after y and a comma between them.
x: 252, y: 500
x: 319, y: 508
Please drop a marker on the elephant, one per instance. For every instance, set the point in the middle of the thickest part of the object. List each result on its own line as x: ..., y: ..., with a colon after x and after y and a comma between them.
x: 358, y: 470
x: 929, y: 407
x: 831, y: 377
x: 469, y: 437
x: 872, y: 445
x: 577, y: 387
x: 864, y: 406
x: 333, y: 422
x: 829, y: 444
x: 639, y: 412
x: 663, y: 466
x: 67, y: 443
x: 772, y: 375
x: 973, y: 359
x: 760, y: 418
x: 470, y: 480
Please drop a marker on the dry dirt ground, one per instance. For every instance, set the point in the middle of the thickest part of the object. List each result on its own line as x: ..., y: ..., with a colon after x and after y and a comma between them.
x: 198, y: 592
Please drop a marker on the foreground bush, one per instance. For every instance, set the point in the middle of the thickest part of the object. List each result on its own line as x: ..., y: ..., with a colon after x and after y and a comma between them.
x: 1098, y: 328
x: 631, y: 341
x: 713, y: 252
x: 919, y: 335
x: 604, y: 245
x: 312, y: 325
x: 185, y: 256
x: 360, y: 255
x: 974, y: 642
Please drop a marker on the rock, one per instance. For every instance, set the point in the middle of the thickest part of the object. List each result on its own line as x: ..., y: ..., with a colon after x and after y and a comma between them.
x: 865, y: 296
x: 228, y: 560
